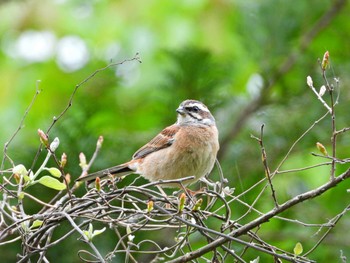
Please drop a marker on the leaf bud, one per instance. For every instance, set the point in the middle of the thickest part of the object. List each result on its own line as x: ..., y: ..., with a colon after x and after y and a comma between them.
x: 63, y: 161
x: 298, y: 249
x: 322, y: 90
x: 309, y: 81
x: 325, y: 61
x: 198, y: 205
x: 43, y: 138
x: 68, y: 178
x: 99, y: 141
x: 54, y: 145
x: 149, y: 206
x: 182, y: 201
x: 98, y: 184
x: 82, y: 160
x: 321, y: 148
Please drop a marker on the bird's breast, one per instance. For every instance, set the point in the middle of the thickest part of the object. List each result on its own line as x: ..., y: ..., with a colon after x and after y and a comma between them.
x: 192, y: 153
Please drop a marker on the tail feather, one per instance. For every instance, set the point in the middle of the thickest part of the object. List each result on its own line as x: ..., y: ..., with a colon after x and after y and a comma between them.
x: 117, y: 171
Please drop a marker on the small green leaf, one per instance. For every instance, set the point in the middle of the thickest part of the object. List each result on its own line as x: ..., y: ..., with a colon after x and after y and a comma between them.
x: 182, y: 201
x: 91, y: 233
x: 128, y: 232
x: 150, y: 206
x: 53, y: 183
x: 54, y: 172
x: 198, y: 205
x: 128, y: 229
x: 298, y: 249
x: 27, y: 178
x: 36, y: 223
x: 97, y: 232
x: 87, y: 234
x: 21, y: 195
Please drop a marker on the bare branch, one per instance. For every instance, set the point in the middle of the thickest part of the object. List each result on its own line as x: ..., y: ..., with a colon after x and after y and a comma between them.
x: 244, y: 229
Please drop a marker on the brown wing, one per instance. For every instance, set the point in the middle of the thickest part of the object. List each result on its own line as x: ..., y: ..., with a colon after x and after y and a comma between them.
x: 163, y: 140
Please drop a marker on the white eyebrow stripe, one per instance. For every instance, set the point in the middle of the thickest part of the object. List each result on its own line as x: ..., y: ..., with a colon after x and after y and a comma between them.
x: 200, y: 106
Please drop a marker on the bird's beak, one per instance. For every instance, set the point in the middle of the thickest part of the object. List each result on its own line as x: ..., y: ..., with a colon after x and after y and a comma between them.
x: 180, y: 110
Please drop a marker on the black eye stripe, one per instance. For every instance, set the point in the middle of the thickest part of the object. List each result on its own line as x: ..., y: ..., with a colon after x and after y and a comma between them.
x: 193, y: 108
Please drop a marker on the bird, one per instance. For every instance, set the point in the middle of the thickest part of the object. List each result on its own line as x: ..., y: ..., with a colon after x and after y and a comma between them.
x: 187, y: 148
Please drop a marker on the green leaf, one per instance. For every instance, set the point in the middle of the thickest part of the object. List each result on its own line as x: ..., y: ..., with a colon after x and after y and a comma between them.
x: 36, y: 223
x: 53, y: 183
x: 54, y: 172
x: 255, y: 260
x: 27, y: 178
x: 91, y: 228
x: 128, y: 232
x: 298, y: 249
x: 91, y: 233
x: 128, y: 229
x: 21, y: 195
x: 97, y: 232
x: 87, y: 234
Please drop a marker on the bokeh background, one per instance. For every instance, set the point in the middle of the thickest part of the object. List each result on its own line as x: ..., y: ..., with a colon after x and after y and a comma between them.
x: 247, y: 60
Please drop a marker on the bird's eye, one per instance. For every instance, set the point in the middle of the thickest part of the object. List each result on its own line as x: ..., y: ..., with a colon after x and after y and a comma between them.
x: 195, y: 109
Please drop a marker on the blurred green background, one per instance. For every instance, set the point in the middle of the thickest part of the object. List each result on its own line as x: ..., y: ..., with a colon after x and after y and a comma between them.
x: 246, y: 60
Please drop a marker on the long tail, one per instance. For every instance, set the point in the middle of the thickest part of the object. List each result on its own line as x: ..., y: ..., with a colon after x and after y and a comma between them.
x: 117, y: 171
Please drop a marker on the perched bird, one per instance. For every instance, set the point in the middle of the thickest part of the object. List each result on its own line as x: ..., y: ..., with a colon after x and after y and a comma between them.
x: 186, y: 148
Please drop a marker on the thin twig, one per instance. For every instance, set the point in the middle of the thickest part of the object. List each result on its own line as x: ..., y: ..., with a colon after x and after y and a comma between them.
x: 333, y: 222
x: 97, y: 253
x: 319, y: 97
x: 70, y: 101
x: 292, y: 202
x: 266, y: 167
x: 296, y: 142
x: 37, y: 92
